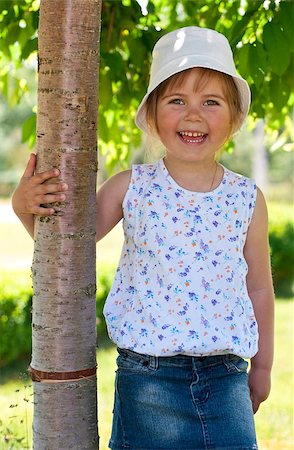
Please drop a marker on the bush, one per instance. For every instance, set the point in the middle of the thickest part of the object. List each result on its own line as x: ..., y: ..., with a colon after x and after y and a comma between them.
x: 15, y: 315
x: 104, y: 282
x: 281, y: 238
x: 15, y: 321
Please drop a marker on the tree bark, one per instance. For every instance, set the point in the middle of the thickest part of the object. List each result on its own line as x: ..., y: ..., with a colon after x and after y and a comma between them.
x: 63, y: 365
x: 260, y: 161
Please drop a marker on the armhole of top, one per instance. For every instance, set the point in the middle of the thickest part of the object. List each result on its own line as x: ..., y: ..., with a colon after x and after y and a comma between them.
x: 252, y: 199
x: 125, y: 199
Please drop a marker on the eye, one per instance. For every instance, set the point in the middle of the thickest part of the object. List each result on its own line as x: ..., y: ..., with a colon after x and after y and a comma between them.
x: 210, y: 103
x: 176, y: 101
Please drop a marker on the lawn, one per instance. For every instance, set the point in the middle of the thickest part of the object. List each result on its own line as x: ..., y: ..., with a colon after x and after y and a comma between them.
x: 16, y: 246
x: 274, y: 420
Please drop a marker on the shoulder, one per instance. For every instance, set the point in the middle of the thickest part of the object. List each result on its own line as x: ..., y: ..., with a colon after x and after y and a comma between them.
x: 239, y: 179
x: 116, y: 186
x: 120, y: 180
x: 257, y: 235
x: 260, y: 216
x: 244, y: 188
x: 256, y: 249
x: 145, y: 170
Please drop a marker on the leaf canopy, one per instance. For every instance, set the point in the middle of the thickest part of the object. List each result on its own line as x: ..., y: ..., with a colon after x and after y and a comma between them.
x: 260, y: 33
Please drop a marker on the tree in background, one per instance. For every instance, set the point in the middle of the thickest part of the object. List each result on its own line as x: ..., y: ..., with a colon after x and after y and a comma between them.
x: 260, y: 33
x: 63, y: 366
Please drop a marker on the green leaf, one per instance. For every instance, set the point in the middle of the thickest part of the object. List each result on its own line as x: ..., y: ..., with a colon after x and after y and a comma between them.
x: 286, y: 17
x: 105, y: 89
x: 257, y: 63
x: 150, y: 8
x: 28, y: 128
x: 138, y: 52
x: 115, y: 62
x: 243, y: 58
x: 102, y: 127
x: 13, y: 31
x: 279, y: 92
x: 277, y: 47
x: 241, y: 25
x: 29, y: 47
x: 4, y: 84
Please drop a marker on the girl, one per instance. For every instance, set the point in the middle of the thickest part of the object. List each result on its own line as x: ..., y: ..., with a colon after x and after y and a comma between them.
x: 192, y: 296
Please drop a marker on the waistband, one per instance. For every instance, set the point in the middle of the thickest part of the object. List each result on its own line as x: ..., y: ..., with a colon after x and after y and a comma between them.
x: 178, y: 360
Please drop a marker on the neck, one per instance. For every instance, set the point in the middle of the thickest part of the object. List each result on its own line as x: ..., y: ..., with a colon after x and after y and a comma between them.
x: 198, y: 177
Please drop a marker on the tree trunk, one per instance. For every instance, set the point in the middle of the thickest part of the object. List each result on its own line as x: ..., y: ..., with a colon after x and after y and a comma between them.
x: 63, y: 366
x: 260, y: 161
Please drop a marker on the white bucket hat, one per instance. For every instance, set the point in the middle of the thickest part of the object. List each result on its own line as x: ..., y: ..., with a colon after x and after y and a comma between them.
x: 190, y: 47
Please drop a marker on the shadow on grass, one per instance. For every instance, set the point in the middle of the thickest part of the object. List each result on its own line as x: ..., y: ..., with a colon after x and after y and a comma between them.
x: 16, y: 371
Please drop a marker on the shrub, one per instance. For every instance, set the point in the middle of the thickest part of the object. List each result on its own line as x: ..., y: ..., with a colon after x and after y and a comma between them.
x: 15, y: 321
x: 104, y: 282
x: 281, y: 238
x: 15, y: 315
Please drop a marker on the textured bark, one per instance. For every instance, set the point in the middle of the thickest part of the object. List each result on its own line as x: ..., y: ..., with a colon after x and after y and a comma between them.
x: 63, y: 271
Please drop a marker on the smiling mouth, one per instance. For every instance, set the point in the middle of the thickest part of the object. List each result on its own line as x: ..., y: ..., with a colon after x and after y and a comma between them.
x: 192, y: 137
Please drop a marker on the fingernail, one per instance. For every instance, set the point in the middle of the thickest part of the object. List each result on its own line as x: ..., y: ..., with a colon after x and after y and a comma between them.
x: 64, y: 186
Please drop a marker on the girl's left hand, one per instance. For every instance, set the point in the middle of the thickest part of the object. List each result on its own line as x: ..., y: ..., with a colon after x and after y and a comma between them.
x: 259, y: 384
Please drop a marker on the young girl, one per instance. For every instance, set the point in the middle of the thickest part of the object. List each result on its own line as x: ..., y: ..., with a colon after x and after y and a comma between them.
x: 192, y: 296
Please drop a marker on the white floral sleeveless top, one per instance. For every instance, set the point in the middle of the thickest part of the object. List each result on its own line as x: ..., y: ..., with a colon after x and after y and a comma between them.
x: 180, y: 286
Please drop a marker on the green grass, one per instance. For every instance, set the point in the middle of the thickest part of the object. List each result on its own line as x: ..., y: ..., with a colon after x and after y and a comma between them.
x: 274, y: 420
x: 16, y: 247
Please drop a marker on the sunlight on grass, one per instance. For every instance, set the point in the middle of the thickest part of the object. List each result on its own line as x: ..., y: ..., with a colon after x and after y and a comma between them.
x: 16, y: 246
x: 16, y: 400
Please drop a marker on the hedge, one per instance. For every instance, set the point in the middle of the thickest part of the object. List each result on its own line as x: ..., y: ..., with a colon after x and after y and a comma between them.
x: 281, y: 238
x: 15, y: 315
x: 16, y: 295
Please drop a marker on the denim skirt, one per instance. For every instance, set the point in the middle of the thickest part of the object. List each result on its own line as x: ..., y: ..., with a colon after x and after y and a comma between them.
x: 182, y: 402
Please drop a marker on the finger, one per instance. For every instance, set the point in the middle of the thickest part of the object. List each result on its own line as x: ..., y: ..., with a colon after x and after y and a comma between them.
x: 44, y: 176
x: 42, y: 211
x: 255, y: 405
x: 50, y: 198
x: 31, y: 165
x: 51, y: 188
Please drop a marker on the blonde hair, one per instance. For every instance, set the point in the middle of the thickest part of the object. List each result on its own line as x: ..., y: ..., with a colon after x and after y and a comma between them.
x: 230, y: 91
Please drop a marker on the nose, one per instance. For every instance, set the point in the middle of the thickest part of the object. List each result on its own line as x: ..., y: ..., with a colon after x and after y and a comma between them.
x: 193, y: 113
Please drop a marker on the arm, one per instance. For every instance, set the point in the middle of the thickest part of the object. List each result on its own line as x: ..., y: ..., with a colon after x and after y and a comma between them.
x: 109, y: 200
x: 260, y: 289
x: 32, y: 192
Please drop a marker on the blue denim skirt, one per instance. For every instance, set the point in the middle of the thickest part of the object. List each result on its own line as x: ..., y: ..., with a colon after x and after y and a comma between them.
x: 182, y: 402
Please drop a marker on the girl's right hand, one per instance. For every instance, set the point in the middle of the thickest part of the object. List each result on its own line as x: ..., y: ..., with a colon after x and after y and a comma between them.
x: 32, y: 191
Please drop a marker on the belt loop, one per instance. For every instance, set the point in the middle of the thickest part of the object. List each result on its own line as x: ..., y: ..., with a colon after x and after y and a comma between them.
x: 153, y: 363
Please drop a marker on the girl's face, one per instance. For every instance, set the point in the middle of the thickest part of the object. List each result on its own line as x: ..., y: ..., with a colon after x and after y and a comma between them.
x: 193, y: 124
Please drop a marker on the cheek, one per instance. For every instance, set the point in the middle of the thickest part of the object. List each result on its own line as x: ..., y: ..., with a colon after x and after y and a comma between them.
x: 166, y: 122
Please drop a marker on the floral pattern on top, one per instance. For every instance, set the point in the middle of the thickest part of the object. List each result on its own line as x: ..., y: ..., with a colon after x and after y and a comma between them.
x: 180, y: 286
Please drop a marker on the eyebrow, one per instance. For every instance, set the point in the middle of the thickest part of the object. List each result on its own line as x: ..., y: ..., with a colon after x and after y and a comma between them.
x: 179, y: 94
x: 215, y: 95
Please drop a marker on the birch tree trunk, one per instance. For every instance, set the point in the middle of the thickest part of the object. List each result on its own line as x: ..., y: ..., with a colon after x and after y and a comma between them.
x: 260, y: 162
x: 63, y: 366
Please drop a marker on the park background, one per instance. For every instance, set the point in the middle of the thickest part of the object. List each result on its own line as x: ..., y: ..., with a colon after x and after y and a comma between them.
x: 259, y: 152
